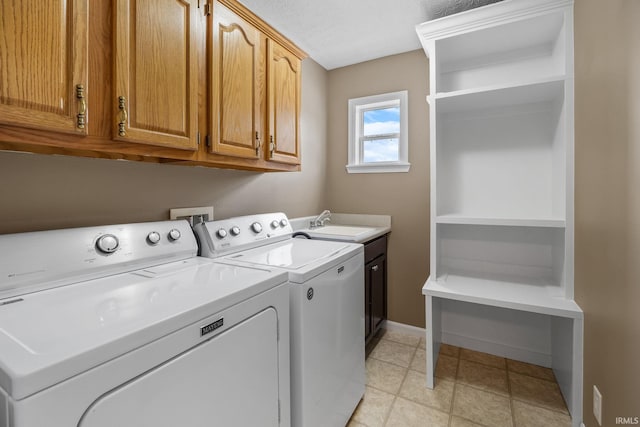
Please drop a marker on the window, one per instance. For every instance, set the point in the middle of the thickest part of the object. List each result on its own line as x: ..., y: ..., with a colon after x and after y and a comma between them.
x: 378, y: 134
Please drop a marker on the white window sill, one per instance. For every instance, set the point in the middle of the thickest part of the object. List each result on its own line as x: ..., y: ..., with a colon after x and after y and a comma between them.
x: 379, y: 168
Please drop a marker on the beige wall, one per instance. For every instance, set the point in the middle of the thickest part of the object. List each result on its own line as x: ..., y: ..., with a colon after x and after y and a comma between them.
x: 404, y: 196
x: 42, y: 192
x: 607, y: 95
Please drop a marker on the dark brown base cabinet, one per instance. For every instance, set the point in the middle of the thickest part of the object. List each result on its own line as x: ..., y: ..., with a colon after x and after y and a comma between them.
x: 375, y: 286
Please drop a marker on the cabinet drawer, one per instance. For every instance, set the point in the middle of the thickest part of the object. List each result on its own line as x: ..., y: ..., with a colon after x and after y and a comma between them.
x: 375, y: 248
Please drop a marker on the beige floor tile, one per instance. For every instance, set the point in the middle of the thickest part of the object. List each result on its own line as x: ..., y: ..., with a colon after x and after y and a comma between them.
x: 393, y: 352
x: 414, y: 388
x: 484, y: 358
x: 423, y: 342
x: 419, y: 362
x: 446, y: 367
x: 483, y: 376
x: 401, y: 337
x: 536, y: 391
x: 374, y: 408
x: 449, y: 350
x: 531, y: 370
x: 533, y: 416
x: 479, y: 399
x: 409, y: 414
x: 384, y: 376
x: 482, y: 406
x: 461, y: 422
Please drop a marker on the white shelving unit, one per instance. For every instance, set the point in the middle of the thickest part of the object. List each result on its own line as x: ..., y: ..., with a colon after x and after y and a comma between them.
x: 501, y: 143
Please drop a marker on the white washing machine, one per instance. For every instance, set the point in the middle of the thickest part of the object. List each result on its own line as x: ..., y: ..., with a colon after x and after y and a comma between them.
x: 125, y: 326
x: 327, y: 309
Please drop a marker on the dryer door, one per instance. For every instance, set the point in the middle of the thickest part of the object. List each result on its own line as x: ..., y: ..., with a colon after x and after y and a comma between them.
x: 229, y: 380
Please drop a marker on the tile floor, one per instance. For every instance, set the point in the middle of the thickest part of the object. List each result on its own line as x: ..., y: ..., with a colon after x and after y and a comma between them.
x: 472, y: 389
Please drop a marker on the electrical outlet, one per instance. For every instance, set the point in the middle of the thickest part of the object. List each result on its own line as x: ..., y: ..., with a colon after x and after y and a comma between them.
x: 204, y: 213
x: 597, y: 405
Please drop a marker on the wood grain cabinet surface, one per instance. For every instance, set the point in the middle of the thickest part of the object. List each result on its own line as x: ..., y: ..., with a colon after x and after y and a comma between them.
x: 150, y: 81
x: 255, y: 89
x: 43, y: 64
x: 156, y: 72
x: 237, y: 82
x: 283, y: 69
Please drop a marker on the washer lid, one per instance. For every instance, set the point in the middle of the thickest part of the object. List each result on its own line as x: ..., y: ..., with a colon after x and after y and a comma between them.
x: 303, y: 258
x: 49, y: 336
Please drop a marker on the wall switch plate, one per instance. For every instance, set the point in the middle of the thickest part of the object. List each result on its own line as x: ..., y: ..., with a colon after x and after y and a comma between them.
x: 597, y: 405
x: 193, y: 215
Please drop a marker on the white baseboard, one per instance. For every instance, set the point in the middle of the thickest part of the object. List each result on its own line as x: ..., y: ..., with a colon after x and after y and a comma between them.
x: 401, y: 327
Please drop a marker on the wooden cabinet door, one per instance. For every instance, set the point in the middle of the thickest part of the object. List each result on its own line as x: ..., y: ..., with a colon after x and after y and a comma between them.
x: 367, y: 302
x: 283, y: 69
x: 43, y: 64
x: 375, y: 295
x: 156, y: 72
x: 378, y: 292
x: 236, y: 85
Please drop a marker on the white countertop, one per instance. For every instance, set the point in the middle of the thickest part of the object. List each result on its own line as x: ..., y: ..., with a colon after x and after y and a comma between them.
x: 378, y: 225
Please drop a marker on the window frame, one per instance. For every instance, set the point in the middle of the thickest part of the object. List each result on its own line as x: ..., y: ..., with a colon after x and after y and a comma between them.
x: 357, y: 107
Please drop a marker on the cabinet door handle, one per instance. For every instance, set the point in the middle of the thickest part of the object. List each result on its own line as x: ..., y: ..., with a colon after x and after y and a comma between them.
x: 374, y: 268
x: 82, y: 106
x: 122, y: 106
x: 272, y: 146
x: 258, y: 145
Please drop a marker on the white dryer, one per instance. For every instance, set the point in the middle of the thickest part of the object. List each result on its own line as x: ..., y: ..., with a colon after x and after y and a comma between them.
x: 327, y: 309
x: 125, y: 326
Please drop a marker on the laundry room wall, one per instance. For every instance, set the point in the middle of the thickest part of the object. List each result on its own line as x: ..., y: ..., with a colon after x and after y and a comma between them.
x: 404, y: 196
x: 39, y: 192
x: 607, y: 205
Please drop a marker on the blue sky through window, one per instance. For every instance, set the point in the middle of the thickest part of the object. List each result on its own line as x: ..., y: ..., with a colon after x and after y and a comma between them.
x: 380, y: 150
x: 381, y: 121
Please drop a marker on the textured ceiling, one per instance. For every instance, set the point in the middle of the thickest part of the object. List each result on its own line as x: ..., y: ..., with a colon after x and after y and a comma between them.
x: 336, y: 33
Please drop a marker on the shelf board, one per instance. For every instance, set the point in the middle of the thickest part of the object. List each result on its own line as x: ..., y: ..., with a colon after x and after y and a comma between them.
x: 535, y: 297
x: 509, y: 222
x: 502, y: 95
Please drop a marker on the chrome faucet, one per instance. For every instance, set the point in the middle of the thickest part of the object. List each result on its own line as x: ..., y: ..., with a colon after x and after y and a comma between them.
x: 320, y: 219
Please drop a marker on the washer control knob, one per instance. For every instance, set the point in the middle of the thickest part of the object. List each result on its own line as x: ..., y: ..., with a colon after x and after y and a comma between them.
x: 174, y: 234
x: 235, y: 230
x: 256, y: 227
x: 283, y: 222
x: 221, y: 233
x: 153, y: 237
x: 107, y: 243
x: 274, y: 224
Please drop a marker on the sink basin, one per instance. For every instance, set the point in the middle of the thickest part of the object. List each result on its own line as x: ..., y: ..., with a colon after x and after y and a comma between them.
x: 340, y: 232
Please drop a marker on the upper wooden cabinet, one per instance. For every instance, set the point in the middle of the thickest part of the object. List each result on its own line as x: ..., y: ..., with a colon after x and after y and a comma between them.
x: 156, y: 72
x: 43, y: 64
x: 254, y: 88
x: 236, y: 85
x: 283, y: 69
x: 149, y: 80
